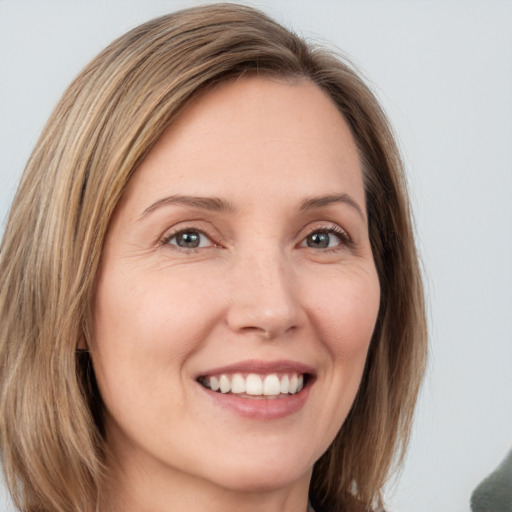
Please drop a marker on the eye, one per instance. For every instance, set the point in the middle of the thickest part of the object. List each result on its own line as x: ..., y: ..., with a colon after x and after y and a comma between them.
x: 189, y: 239
x: 326, y: 238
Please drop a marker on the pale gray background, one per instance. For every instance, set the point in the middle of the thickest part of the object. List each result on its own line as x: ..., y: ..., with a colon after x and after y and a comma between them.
x: 443, y: 71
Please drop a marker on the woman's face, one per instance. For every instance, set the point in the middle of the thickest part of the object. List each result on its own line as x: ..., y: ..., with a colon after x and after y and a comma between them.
x: 238, y: 257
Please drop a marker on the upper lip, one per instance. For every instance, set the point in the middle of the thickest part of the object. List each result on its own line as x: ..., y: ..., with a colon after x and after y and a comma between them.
x: 261, y: 367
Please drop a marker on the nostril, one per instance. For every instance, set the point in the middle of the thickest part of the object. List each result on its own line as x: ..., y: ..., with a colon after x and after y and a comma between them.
x: 265, y: 325
x: 261, y: 331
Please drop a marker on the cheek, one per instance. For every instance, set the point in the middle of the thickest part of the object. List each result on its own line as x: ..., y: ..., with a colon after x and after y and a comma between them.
x: 346, y: 312
x: 344, y: 316
x: 152, y: 306
x: 146, y: 322
x: 145, y: 326
x: 145, y: 330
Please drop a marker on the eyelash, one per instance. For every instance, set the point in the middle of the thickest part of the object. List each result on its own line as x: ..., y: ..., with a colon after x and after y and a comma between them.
x: 341, y: 234
x: 167, y: 239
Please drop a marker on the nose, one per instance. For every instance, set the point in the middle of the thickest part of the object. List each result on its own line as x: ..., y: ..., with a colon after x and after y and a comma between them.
x: 264, y: 298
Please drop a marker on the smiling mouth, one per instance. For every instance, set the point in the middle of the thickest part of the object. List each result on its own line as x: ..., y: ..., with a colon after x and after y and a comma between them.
x: 253, y: 385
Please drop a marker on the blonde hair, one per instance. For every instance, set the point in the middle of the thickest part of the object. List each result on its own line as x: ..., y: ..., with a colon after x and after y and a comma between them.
x: 51, y: 425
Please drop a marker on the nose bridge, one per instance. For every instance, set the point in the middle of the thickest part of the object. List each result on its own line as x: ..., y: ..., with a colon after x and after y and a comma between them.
x: 264, y: 298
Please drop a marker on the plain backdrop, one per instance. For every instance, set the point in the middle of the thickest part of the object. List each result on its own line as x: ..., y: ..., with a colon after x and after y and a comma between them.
x: 443, y: 71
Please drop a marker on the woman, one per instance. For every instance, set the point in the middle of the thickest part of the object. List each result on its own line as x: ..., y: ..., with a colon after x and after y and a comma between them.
x: 223, y: 309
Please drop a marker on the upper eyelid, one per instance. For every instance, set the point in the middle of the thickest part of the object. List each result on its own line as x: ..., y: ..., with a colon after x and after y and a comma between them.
x: 330, y: 226
x: 169, y: 235
x: 323, y: 226
x: 342, y: 237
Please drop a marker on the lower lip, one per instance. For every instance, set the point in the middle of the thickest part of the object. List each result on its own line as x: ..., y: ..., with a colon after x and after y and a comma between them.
x: 260, y: 408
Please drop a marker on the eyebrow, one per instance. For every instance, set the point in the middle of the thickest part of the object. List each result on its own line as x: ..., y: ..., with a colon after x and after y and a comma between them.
x: 321, y: 201
x: 215, y: 204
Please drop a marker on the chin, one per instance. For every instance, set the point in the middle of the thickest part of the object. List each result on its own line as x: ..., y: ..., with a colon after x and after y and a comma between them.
x: 256, y: 480
x: 257, y: 475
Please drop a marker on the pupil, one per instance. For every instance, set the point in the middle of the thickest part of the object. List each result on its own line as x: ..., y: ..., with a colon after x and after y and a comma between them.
x: 188, y: 239
x: 319, y: 240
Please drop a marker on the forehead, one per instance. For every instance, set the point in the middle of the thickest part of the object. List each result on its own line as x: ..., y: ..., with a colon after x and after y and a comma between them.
x: 260, y: 132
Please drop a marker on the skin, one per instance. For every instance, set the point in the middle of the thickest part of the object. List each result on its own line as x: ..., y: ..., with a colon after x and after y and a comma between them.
x: 254, y: 290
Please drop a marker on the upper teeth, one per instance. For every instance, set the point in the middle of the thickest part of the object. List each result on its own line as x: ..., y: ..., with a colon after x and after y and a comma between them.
x: 254, y: 384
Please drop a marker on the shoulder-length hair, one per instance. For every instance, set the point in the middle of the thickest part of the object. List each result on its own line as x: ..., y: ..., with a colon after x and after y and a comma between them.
x: 52, y: 438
